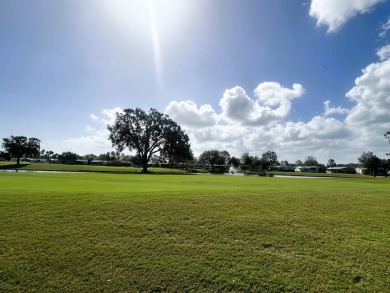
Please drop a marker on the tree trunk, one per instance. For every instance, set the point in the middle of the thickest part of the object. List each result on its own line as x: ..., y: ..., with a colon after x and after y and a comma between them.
x: 18, y: 160
x: 145, y: 163
x: 145, y: 167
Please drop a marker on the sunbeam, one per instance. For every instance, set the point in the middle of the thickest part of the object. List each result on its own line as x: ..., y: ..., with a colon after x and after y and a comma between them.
x: 156, y: 45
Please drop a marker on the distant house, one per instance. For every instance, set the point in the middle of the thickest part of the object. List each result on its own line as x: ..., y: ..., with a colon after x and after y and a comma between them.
x: 98, y: 162
x: 344, y: 170
x: 81, y: 162
x: 312, y: 169
x: 285, y: 168
x: 361, y: 171
x: 44, y: 161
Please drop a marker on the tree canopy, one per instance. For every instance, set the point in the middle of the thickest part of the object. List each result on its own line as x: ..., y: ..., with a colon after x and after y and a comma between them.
x: 371, y: 162
x: 177, y: 147
x: 68, y: 158
x: 148, y: 134
x: 213, y: 157
x: 311, y: 161
x: 387, y: 136
x: 268, y: 159
x: 19, y: 146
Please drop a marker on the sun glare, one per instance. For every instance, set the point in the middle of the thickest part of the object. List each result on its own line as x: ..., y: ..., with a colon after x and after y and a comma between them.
x: 156, y: 44
x: 169, y: 17
x: 161, y: 23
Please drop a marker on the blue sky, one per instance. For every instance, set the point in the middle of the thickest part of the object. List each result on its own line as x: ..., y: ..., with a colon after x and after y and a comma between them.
x: 301, y: 78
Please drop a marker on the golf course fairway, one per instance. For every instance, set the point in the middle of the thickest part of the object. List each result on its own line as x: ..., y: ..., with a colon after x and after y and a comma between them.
x: 96, y: 232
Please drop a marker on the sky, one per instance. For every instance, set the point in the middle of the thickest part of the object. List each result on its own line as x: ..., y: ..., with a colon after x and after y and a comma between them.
x: 297, y: 77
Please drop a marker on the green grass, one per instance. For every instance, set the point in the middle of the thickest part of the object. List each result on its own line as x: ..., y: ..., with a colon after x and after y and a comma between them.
x: 153, y: 170
x: 91, y: 232
x: 85, y: 168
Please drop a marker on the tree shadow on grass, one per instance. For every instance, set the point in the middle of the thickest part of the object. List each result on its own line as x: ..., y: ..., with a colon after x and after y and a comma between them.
x: 12, y: 166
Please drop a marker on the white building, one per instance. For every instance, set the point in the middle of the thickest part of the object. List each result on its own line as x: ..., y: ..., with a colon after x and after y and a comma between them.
x: 312, y: 169
x: 361, y: 171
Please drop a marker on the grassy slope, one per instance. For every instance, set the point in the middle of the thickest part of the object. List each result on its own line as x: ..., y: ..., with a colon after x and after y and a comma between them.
x: 114, y: 232
x: 83, y: 168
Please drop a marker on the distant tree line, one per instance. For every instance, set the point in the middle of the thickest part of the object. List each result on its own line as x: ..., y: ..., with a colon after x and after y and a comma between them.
x: 247, y: 162
x: 157, y: 139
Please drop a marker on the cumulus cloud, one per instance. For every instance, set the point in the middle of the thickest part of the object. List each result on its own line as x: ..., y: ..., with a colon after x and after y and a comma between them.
x: 370, y: 116
x: 187, y: 113
x: 238, y: 107
x: 372, y: 95
x: 321, y: 129
x: 272, y: 93
x: 384, y: 53
x: 334, y: 13
x: 273, y: 104
x: 328, y: 110
x: 258, y: 124
x: 321, y: 136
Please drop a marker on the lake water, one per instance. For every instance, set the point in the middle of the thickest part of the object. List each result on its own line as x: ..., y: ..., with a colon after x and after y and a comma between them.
x: 301, y: 177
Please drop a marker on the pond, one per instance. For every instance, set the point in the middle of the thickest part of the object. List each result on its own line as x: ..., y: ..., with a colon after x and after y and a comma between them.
x: 302, y: 177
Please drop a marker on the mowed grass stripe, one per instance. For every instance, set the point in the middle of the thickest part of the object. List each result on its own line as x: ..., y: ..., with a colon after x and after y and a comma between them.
x: 107, y: 232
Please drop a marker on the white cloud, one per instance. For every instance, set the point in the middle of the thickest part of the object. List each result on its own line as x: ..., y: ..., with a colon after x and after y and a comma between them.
x: 384, y: 29
x: 272, y: 93
x: 321, y: 137
x: 110, y: 115
x: 322, y: 129
x: 334, y: 13
x: 372, y: 96
x: 384, y: 53
x: 94, y: 117
x: 328, y: 110
x: 89, y: 129
x: 96, y: 143
x: 238, y: 107
x: 273, y: 104
x: 370, y: 117
x: 256, y: 125
x: 188, y: 114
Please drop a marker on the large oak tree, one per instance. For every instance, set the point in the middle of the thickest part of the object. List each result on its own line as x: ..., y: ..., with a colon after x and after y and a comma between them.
x: 19, y: 146
x: 147, y: 134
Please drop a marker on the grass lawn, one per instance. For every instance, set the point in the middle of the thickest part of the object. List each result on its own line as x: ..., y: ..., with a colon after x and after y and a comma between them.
x: 85, y: 168
x: 91, y: 232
